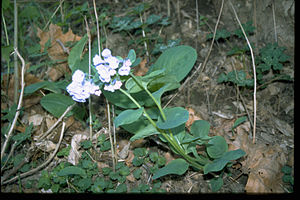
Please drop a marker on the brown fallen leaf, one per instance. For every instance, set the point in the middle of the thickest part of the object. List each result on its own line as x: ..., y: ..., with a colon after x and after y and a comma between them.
x: 263, y: 162
x: 141, y: 69
x: 192, y: 117
x: 56, y: 51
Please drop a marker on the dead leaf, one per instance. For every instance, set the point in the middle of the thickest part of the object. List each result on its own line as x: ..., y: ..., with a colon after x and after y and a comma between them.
x: 141, y: 69
x: 130, y: 177
x: 74, y: 155
x: 192, y: 117
x: 124, y: 152
x: 46, y: 145
x: 55, y: 51
x: 129, y: 159
x: 263, y: 162
x: 36, y: 119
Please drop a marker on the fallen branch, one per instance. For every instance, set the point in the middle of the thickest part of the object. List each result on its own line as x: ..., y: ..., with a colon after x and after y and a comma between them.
x: 55, y: 124
x: 254, y: 72
x: 44, y: 164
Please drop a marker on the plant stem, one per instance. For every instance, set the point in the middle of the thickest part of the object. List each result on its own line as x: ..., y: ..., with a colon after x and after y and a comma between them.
x: 170, y: 138
x: 152, y: 97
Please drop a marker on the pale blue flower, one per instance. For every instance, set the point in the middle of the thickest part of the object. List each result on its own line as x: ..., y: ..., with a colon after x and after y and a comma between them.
x: 97, y: 60
x: 104, y: 74
x: 78, y: 76
x: 81, y: 89
x: 115, y: 85
x: 106, y: 53
x: 125, y: 69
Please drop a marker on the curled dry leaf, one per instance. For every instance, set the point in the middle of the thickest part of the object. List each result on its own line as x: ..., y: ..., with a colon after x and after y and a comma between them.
x: 46, y: 145
x: 141, y: 69
x: 36, y: 119
x: 263, y: 162
x: 74, y: 155
x: 56, y: 51
x: 192, y: 117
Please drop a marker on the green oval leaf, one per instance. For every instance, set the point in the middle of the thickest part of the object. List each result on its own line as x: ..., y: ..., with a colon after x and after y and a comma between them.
x: 177, y: 61
x: 75, y: 53
x: 178, y: 166
x: 56, y: 104
x: 200, y: 128
x: 217, y: 146
x: 128, y: 116
x: 71, y: 170
x: 220, y: 163
x: 175, y: 117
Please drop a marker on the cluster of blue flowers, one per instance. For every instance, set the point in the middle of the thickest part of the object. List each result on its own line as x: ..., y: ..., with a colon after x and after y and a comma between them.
x: 80, y: 89
x: 109, y: 69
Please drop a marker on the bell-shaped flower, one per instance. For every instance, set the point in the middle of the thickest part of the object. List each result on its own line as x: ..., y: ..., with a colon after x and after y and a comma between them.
x: 97, y: 60
x: 106, y: 53
x: 115, y: 85
x: 78, y: 76
x: 104, y: 74
x: 125, y: 69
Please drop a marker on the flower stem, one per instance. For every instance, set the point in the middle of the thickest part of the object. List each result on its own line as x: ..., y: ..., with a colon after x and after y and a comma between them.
x: 170, y: 138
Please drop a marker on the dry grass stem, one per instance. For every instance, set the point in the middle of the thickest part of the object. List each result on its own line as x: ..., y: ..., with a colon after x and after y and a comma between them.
x: 254, y: 73
x: 9, y: 134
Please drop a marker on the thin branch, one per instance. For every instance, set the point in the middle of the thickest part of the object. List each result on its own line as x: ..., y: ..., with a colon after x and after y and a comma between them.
x: 254, y: 73
x: 55, y: 124
x: 53, y: 15
x: 90, y: 99
x: 97, y: 24
x: 44, y: 164
x: 19, y: 104
x: 205, y: 61
x: 274, y: 20
x: 16, y: 72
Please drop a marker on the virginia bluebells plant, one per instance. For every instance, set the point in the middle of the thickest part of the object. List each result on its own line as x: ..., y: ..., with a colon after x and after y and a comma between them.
x: 109, y: 69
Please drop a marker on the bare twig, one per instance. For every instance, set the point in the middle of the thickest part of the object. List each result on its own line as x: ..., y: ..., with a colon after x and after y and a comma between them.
x: 107, y: 103
x: 55, y: 124
x: 254, y: 73
x: 16, y: 72
x: 65, y: 49
x: 205, y: 61
x: 9, y: 155
x: 90, y: 99
x: 97, y: 24
x: 44, y: 164
x: 274, y: 20
x: 53, y: 15
x: 9, y: 134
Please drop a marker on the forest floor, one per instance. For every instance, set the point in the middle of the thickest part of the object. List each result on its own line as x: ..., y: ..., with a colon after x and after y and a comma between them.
x: 260, y: 170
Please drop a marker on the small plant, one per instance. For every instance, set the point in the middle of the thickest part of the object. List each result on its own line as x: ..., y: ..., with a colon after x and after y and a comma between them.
x: 288, y: 178
x: 142, y: 114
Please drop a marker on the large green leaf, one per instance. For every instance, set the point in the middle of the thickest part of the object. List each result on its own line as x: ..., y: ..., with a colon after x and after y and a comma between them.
x: 51, y: 86
x: 174, y: 117
x: 177, y: 61
x: 56, y: 104
x: 220, y: 163
x: 121, y: 100
x: 217, y: 146
x: 128, y: 116
x: 200, y: 129
x: 75, y: 53
x: 178, y: 166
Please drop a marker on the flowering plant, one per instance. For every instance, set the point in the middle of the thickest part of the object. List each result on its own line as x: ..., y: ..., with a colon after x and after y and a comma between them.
x: 141, y: 113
